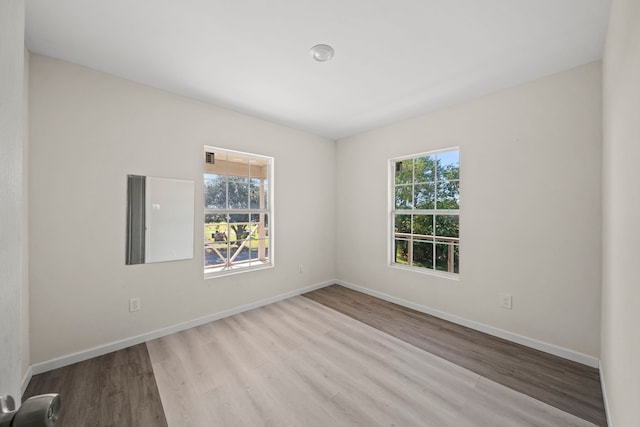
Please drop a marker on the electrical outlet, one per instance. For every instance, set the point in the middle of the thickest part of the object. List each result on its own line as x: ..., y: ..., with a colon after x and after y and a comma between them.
x: 134, y: 304
x: 506, y: 301
x: 300, y: 269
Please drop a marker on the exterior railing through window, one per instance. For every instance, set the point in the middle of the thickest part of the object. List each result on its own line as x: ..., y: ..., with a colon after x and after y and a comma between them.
x: 448, y: 258
x: 238, y: 244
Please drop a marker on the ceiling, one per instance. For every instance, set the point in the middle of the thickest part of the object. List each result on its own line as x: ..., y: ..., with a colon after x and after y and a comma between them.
x: 394, y: 59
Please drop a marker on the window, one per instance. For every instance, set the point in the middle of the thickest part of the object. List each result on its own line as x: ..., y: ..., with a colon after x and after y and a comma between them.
x: 238, y: 211
x: 425, y: 211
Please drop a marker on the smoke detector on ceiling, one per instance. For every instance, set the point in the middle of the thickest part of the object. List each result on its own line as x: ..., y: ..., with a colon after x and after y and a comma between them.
x: 322, y: 52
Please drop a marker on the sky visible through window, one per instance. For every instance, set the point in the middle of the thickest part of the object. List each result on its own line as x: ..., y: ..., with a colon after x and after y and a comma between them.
x: 425, y: 216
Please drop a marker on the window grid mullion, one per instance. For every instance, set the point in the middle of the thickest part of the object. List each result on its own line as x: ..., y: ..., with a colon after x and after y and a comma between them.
x: 249, y: 183
x: 264, y: 173
x: 413, y: 212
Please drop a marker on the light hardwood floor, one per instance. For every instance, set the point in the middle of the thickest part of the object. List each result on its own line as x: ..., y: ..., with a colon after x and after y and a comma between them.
x: 299, y: 363
x: 569, y: 386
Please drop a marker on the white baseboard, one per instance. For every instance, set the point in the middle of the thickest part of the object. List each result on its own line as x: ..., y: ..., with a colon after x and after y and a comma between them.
x: 603, y: 384
x: 80, y: 356
x: 565, y: 353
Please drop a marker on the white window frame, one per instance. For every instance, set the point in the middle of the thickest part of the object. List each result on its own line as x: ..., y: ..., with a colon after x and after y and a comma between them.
x: 233, y: 267
x: 392, y: 211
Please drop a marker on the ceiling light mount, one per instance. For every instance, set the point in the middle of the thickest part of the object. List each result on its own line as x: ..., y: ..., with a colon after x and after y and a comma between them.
x: 322, y: 52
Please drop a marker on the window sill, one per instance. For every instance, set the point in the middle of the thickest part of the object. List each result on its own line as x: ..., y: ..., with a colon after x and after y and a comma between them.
x: 213, y: 273
x: 428, y: 272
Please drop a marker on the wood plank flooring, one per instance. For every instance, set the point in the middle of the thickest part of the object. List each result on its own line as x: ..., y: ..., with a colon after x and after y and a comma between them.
x: 570, y: 386
x: 299, y: 363
x: 117, y: 389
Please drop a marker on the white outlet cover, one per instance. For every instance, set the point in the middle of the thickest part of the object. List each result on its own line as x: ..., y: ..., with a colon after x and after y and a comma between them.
x: 506, y: 301
x: 134, y: 304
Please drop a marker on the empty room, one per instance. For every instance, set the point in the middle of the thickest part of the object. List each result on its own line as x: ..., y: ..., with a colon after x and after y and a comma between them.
x: 304, y: 213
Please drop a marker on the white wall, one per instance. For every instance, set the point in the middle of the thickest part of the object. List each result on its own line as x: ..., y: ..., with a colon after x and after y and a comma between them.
x: 621, y: 232
x: 88, y: 130
x: 530, y: 209
x: 14, y: 360
x: 538, y: 143
x: 25, y: 330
